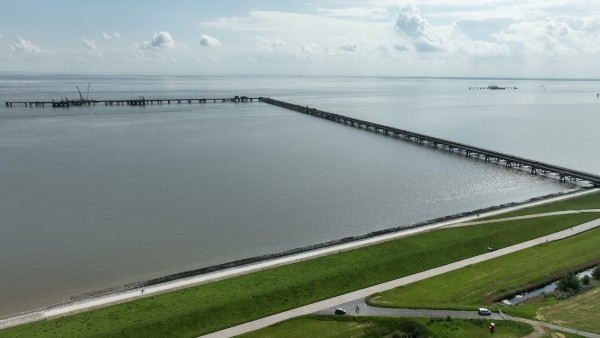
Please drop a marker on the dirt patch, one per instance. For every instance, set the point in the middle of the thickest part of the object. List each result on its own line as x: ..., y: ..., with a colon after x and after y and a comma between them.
x: 538, y: 331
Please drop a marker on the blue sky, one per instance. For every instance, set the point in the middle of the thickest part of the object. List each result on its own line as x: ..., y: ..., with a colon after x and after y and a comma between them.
x: 549, y: 38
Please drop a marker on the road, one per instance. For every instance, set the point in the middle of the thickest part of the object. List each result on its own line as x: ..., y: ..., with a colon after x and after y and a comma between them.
x: 366, y: 310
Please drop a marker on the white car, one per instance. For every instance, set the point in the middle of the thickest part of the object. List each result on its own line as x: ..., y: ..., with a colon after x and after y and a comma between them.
x: 483, y: 311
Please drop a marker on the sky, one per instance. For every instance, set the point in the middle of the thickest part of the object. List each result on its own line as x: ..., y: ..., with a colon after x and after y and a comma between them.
x: 483, y: 38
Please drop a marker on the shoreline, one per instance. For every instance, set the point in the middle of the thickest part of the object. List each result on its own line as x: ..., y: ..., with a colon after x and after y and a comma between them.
x: 190, y: 278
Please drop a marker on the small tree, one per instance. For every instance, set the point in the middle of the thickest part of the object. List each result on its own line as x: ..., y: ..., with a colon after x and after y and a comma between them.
x: 569, y: 282
x: 596, y: 273
x: 586, y: 280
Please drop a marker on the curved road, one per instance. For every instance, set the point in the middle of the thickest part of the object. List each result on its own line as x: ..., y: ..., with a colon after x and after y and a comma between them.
x: 363, y: 293
x: 366, y: 310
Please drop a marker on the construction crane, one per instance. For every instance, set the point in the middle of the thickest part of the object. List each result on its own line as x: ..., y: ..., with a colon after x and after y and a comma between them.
x: 80, y: 96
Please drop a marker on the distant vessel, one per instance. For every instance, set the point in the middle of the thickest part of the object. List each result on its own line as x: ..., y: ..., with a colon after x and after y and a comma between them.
x: 494, y: 87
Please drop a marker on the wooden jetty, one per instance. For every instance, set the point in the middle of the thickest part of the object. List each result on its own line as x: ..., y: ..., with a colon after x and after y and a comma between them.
x: 140, y: 101
x: 487, y: 155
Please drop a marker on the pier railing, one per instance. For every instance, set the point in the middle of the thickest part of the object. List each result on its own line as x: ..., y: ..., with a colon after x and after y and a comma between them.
x: 140, y: 101
x: 487, y: 155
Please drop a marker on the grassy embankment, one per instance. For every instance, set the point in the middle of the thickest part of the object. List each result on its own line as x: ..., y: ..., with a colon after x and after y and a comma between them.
x: 328, y: 326
x: 210, y: 307
x: 485, y: 282
x: 492, y: 280
x: 589, y: 201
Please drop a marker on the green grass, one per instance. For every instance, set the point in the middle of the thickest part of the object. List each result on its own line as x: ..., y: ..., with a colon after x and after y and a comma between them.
x: 482, y: 283
x: 214, y: 306
x: 210, y: 307
x: 329, y: 326
x: 581, y: 312
x: 589, y: 201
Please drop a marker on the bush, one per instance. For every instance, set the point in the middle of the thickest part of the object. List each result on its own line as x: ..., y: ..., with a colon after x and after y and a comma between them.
x: 596, y: 273
x: 586, y: 280
x: 569, y: 282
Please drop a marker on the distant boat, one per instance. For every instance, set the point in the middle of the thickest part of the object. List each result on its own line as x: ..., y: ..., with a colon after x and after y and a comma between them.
x: 495, y: 87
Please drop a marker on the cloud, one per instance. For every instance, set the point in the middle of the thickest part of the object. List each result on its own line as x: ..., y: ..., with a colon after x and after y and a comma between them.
x: 1, y: 36
x: 417, y: 30
x: 267, y: 45
x: 355, y: 12
x: 27, y: 47
x: 351, y: 46
x: 400, y: 48
x: 482, y: 29
x: 251, y: 60
x: 89, y: 44
x: 155, y: 57
x: 487, y: 50
x: 160, y: 40
x: 110, y: 36
x: 206, y: 40
x: 555, y: 37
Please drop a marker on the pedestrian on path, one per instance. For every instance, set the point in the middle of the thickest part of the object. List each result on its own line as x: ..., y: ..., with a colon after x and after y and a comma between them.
x: 357, y: 309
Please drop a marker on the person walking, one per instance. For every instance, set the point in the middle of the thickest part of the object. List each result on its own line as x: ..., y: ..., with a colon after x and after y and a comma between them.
x: 357, y: 309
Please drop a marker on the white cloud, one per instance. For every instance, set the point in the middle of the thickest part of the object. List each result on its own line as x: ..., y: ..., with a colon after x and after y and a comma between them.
x: 160, y: 40
x: 555, y: 37
x: 156, y: 57
x: 350, y: 46
x: 267, y: 45
x: 486, y: 49
x: 400, y: 47
x: 90, y: 45
x: 418, y: 30
x: 355, y: 12
x: 251, y: 60
x: 482, y: 28
x: 1, y: 36
x: 206, y: 40
x: 113, y: 35
x: 27, y: 47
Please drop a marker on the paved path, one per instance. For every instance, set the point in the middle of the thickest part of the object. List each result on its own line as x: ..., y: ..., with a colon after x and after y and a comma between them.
x: 363, y: 293
x: 508, y: 219
x: 366, y: 310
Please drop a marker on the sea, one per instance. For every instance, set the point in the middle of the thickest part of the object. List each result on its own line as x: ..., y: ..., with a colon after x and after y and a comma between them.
x: 96, y: 197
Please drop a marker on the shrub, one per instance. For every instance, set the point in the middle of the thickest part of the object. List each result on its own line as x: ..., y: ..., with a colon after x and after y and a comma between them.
x: 586, y: 280
x: 569, y: 282
x: 596, y: 273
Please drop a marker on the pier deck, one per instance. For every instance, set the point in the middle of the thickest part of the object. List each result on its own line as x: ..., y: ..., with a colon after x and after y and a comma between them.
x: 487, y: 155
x: 140, y: 101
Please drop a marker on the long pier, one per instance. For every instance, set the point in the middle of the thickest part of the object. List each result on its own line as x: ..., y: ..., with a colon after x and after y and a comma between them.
x: 487, y: 155
x: 563, y: 174
x: 140, y: 101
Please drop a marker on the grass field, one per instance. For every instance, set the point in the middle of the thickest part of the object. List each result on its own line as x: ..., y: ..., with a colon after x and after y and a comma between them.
x: 589, y: 201
x: 476, y: 285
x: 327, y: 326
x: 210, y: 307
x: 581, y: 312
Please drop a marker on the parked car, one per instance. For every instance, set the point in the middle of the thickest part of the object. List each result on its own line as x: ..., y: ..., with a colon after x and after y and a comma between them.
x: 484, y: 312
x: 340, y: 311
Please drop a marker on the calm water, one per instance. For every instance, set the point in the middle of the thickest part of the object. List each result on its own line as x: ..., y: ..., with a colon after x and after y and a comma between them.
x: 95, y: 197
